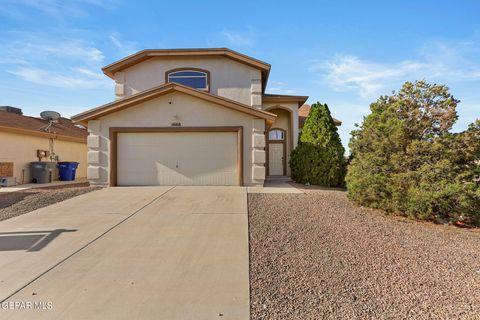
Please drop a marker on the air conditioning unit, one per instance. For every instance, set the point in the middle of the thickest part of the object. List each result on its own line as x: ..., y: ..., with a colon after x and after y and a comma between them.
x: 8, y: 181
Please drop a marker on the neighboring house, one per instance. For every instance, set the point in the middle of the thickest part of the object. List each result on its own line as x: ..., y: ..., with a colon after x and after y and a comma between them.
x: 21, y: 136
x: 190, y: 117
x: 303, y: 113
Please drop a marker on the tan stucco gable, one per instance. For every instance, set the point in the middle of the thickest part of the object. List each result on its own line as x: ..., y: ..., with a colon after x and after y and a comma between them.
x: 153, y: 93
x: 146, y: 54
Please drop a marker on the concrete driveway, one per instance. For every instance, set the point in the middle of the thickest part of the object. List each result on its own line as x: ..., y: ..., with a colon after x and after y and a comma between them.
x: 129, y: 253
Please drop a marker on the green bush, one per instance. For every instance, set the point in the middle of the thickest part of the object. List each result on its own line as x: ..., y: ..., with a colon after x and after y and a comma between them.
x: 405, y: 160
x: 319, y: 156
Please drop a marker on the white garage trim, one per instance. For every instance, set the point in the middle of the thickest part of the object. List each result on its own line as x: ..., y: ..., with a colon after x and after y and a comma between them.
x: 114, y: 131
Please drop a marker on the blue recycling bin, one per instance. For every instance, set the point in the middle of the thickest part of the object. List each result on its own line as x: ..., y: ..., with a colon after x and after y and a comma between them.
x: 66, y: 170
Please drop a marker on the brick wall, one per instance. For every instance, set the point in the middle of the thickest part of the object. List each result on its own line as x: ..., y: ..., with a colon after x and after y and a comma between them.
x: 6, y: 169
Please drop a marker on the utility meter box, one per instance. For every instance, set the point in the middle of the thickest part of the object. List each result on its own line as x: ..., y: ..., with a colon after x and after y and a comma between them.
x: 8, y: 181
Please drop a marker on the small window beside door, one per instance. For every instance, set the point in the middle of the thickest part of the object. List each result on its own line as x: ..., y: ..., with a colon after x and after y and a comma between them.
x: 276, y: 135
x: 194, y: 78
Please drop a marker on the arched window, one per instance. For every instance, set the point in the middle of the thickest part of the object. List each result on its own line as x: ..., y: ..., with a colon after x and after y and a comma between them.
x: 276, y: 135
x: 195, y: 78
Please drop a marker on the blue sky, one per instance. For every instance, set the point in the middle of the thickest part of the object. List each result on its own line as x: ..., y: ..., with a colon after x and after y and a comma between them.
x: 343, y: 53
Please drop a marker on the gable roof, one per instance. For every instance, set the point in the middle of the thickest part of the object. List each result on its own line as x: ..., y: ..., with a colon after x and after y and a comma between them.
x: 166, y: 88
x: 64, y: 129
x: 284, y: 98
x: 303, y: 112
x: 151, y: 53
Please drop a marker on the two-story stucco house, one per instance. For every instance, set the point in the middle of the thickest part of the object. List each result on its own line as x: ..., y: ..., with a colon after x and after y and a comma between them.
x: 190, y: 117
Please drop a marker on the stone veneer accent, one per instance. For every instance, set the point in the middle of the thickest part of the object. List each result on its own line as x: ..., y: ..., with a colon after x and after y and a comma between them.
x: 119, y: 85
x: 93, y: 155
x: 256, y: 89
x: 258, y: 152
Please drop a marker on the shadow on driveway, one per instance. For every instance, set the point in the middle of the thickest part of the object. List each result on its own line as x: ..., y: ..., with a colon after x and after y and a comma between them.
x: 30, y: 241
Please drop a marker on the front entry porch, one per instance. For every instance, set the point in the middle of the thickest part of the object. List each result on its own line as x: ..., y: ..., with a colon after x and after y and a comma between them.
x: 275, y: 184
x: 276, y: 152
x: 280, y: 139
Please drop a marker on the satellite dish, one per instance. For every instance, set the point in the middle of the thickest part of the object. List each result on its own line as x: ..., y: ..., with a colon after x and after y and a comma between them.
x: 50, y: 116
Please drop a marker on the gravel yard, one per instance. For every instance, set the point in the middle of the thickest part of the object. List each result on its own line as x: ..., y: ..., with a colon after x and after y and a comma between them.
x: 316, y: 256
x: 19, y: 202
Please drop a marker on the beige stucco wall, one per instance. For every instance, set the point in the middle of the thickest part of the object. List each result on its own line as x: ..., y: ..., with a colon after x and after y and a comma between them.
x: 228, y: 78
x: 287, y: 119
x: 190, y: 112
x: 22, y: 149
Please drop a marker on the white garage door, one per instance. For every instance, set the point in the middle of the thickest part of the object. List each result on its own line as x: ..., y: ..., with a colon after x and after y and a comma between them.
x: 177, y: 158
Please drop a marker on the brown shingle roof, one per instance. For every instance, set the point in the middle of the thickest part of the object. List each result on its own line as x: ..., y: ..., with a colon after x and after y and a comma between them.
x: 64, y: 129
x: 303, y: 112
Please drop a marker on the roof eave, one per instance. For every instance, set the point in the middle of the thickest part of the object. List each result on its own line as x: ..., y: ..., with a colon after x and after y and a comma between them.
x: 285, y: 98
x: 153, y: 93
x: 145, y: 54
x: 265, y: 76
x: 37, y: 133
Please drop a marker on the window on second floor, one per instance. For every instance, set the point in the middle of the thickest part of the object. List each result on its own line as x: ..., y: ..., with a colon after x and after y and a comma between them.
x: 195, y: 78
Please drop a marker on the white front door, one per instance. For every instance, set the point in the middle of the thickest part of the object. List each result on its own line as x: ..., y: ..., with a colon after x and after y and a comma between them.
x: 275, y: 159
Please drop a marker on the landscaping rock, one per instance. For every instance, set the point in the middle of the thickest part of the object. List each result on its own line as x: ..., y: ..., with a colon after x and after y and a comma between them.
x: 20, y: 202
x: 316, y: 256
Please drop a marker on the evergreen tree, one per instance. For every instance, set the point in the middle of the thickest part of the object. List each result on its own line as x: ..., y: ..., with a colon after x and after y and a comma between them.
x: 319, y: 157
x: 406, y: 160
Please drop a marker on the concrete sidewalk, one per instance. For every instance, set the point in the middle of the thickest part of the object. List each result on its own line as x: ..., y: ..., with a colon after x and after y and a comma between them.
x: 27, y: 186
x: 144, y: 253
x: 275, y: 185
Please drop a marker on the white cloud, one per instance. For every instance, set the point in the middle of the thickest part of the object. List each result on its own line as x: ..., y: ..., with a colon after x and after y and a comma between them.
x: 62, y: 63
x: 238, y: 38
x: 58, y: 9
x: 279, y: 87
x: 346, y: 73
x: 436, y: 61
x: 76, y: 78
x: 12, y: 60
x: 72, y: 49
x: 89, y: 73
x: 33, y: 48
x: 77, y: 50
x: 125, y: 48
